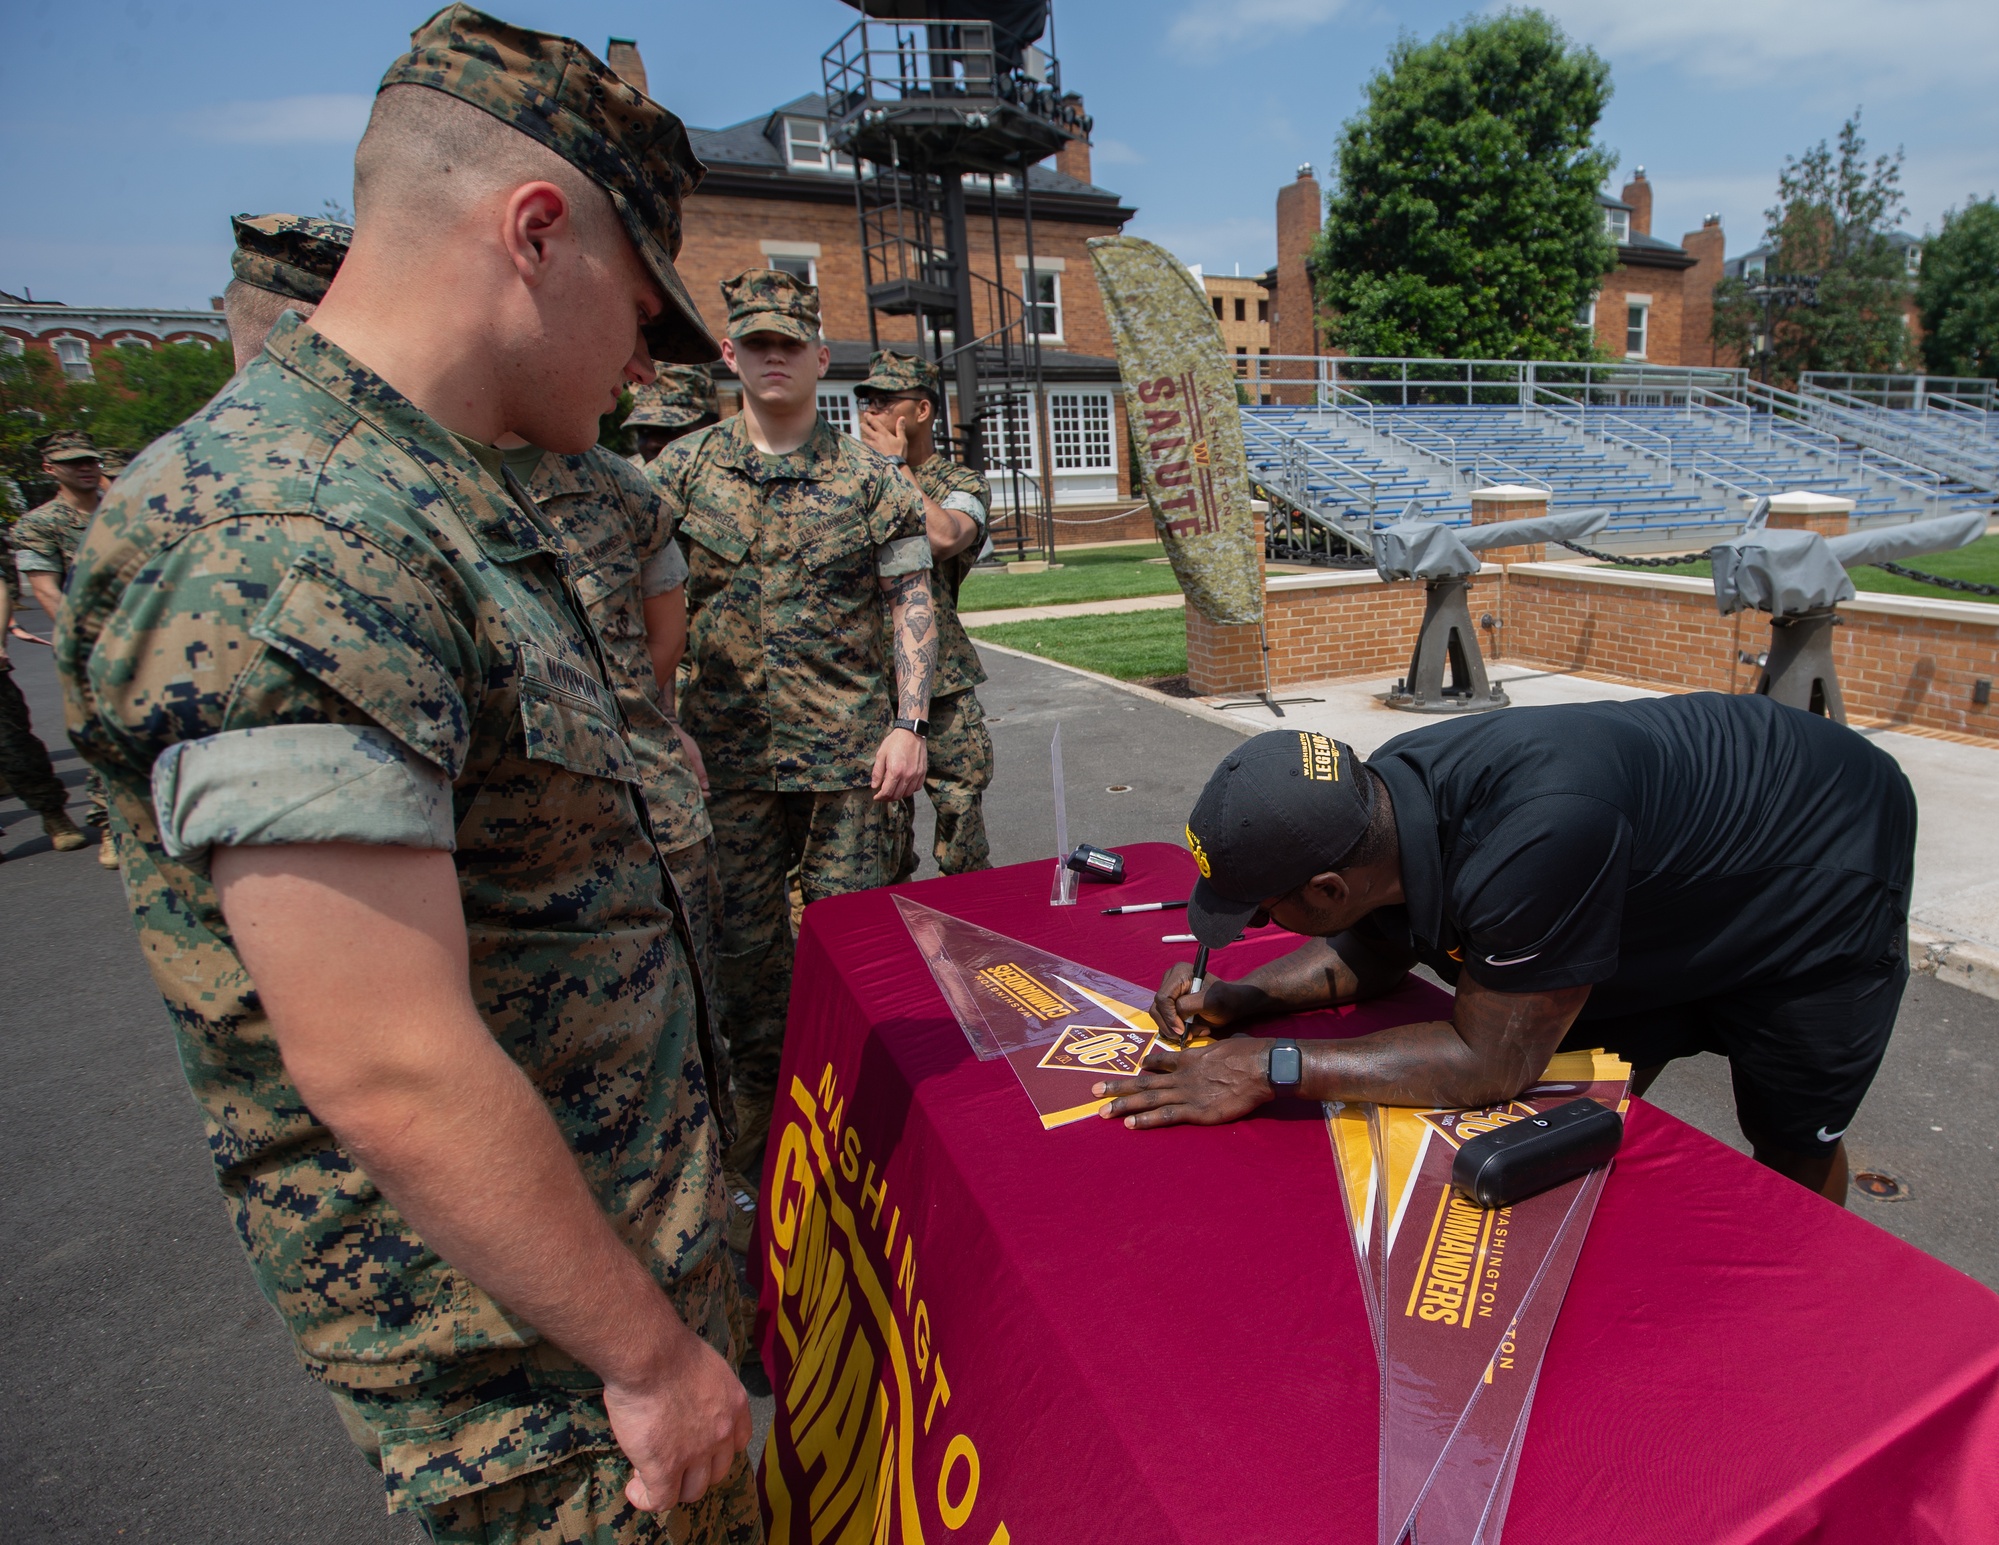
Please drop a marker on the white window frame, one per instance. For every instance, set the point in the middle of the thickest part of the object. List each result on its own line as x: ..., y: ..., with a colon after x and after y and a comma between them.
x: 79, y: 369
x: 1617, y: 225
x: 129, y: 342
x: 1586, y: 316
x: 11, y: 346
x: 778, y: 260
x: 838, y: 408
x: 1082, y: 427
x: 1642, y: 309
x: 1037, y: 308
x: 808, y: 147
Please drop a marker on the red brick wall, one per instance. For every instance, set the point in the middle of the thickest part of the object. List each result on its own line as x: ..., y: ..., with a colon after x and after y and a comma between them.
x: 1355, y: 626
x: 723, y: 233
x: 1671, y: 638
x: 1663, y: 337
x: 1895, y: 667
x: 1900, y: 662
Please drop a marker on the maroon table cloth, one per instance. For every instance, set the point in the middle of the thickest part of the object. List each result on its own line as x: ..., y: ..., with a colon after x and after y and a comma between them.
x: 980, y: 1330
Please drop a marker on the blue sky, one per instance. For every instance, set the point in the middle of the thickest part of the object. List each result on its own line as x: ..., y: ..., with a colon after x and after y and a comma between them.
x: 131, y: 129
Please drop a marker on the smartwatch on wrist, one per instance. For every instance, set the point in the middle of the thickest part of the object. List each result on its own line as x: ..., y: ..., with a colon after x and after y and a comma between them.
x: 920, y: 728
x: 1287, y: 1067
x: 896, y: 461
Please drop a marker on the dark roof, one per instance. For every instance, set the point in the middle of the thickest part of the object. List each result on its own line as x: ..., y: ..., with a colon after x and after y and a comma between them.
x: 1733, y: 267
x: 851, y: 355
x: 753, y: 143
x: 1611, y: 203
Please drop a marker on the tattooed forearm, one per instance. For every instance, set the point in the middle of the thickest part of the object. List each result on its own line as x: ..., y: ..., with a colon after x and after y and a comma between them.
x: 914, y: 622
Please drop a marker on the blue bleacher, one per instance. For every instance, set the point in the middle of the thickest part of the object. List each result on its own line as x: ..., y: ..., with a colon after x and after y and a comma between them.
x: 1671, y: 476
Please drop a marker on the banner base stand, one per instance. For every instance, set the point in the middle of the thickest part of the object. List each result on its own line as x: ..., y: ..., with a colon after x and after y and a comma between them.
x: 1276, y: 705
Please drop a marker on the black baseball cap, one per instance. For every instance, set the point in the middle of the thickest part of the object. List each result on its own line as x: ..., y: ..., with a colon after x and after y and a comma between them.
x: 1286, y: 806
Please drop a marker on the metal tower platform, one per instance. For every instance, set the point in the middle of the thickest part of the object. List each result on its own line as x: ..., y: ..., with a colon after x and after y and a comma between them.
x: 943, y: 116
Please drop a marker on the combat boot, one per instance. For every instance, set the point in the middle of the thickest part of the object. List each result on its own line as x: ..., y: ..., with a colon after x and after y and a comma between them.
x: 64, y: 835
x: 107, y: 850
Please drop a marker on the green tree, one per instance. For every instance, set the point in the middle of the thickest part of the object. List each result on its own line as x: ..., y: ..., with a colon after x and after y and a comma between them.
x: 140, y: 394
x: 36, y: 401
x: 1958, y: 293
x: 1464, y: 219
x: 1832, y: 221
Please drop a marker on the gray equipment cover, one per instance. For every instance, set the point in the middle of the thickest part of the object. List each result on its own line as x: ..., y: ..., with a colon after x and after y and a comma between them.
x: 1415, y: 548
x: 1786, y: 572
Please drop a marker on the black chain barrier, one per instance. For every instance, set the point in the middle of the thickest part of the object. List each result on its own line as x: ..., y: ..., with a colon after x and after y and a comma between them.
x: 1622, y: 561
x: 1942, y: 582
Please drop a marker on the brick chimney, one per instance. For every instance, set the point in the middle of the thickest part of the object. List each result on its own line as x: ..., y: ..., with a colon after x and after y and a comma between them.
x: 1300, y: 213
x: 1705, y: 246
x: 622, y: 55
x: 1073, y: 158
x: 1638, y: 194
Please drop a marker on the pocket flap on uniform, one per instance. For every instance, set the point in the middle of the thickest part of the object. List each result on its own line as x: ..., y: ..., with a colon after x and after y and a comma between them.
x: 570, y: 718
x: 490, y: 1445
x: 722, y: 537
x: 370, y: 656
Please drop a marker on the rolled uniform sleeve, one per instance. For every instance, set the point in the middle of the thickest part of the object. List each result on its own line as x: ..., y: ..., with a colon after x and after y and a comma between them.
x: 902, y: 541
x: 1539, y: 903
x: 967, y: 504
x: 318, y: 692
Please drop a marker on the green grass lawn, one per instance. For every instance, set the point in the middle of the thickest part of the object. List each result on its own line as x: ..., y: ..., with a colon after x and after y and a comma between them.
x: 1978, y: 563
x: 1132, y: 646
x: 1087, y: 574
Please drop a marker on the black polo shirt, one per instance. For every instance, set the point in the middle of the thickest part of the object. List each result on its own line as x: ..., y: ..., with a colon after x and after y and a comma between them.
x: 1660, y: 851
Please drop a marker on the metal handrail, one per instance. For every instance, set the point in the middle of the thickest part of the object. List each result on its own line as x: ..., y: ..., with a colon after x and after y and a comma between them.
x: 1694, y: 466
x: 1299, y: 457
x: 1517, y: 474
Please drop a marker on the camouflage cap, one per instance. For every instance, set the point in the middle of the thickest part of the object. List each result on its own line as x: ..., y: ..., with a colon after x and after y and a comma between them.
x: 70, y: 445
x: 890, y: 374
x: 765, y: 300
x: 558, y: 93
x: 683, y: 395
x: 295, y: 256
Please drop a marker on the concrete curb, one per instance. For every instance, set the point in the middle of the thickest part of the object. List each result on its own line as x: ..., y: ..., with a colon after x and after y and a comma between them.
x: 1191, y: 707
x: 1963, y: 963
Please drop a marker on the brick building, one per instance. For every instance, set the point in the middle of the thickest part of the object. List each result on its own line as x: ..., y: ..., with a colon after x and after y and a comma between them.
x: 1656, y: 305
x: 778, y: 195
x: 1242, y: 307
x: 77, y: 336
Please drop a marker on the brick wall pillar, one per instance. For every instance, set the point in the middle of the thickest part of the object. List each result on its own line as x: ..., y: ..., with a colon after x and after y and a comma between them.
x: 1509, y: 501
x: 1225, y: 660
x: 1798, y: 510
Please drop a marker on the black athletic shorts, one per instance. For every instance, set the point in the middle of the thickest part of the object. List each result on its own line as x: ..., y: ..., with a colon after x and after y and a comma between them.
x: 1801, y: 1058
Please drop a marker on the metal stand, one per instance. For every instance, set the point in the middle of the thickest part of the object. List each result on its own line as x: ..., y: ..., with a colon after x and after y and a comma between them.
x: 1263, y: 699
x: 1447, y: 637
x: 1799, y: 672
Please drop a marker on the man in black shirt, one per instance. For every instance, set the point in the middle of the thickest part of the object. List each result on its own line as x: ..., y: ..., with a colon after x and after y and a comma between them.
x: 1659, y: 878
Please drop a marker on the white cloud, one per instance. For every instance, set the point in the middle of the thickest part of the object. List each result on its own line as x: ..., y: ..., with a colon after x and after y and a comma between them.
x: 1210, y: 23
x: 1875, y: 47
x: 305, y: 120
x: 1115, y: 152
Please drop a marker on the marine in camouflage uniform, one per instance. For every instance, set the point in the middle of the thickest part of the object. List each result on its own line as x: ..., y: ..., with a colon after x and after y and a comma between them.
x: 308, y: 615
x: 25, y: 768
x: 281, y: 263
x: 681, y: 401
x: 791, y: 685
x: 961, y: 748
x: 45, y: 541
x: 618, y: 531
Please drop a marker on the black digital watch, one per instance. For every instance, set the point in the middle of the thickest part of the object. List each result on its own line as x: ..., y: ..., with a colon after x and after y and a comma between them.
x: 1287, y: 1066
